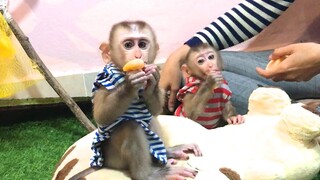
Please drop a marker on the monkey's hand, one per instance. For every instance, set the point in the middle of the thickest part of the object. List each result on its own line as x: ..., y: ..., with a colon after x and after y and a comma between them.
x: 181, y: 151
x: 153, y: 77
x: 135, y: 81
x: 153, y: 95
x: 238, y: 119
x: 214, y: 79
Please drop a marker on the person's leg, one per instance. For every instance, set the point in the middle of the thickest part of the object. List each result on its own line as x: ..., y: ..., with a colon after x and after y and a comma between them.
x: 241, y: 87
x: 244, y: 63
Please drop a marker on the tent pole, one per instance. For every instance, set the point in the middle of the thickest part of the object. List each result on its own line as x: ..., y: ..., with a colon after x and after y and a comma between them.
x: 28, y: 48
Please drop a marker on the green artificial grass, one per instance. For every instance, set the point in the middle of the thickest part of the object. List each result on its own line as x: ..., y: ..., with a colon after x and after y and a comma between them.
x: 31, y: 148
x: 33, y: 140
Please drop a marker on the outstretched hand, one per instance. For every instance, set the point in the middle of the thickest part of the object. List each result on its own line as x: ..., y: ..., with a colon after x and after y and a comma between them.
x: 301, y: 64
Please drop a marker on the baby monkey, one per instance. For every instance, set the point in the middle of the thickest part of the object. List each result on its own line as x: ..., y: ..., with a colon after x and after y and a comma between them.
x: 125, y: 104
x: 205, y: 97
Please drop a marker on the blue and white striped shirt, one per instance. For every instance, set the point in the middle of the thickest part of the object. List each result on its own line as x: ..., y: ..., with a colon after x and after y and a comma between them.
x: 110, y: 78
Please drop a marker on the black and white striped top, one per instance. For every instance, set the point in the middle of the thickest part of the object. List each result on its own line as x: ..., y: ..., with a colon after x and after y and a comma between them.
x: 110, y: 78
x: 240, y: 23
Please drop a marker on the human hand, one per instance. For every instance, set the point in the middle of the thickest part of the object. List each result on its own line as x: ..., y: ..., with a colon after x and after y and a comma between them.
x: 170, y: 79
x: 238, y: 119
x: 301, y: 64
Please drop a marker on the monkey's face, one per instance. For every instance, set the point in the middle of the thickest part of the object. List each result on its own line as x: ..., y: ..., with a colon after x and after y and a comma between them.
x: 132, y: 44
x: 203, y: 63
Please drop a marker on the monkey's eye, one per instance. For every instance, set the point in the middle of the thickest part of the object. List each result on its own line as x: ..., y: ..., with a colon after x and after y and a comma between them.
x: 211, y: 57
x: 143, y: 44
x: 200, y: 61
x: 128, y: 44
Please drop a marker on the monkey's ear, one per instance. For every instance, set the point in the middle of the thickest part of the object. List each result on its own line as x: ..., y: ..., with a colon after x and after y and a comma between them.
x: 185, y: 71
x: 105, y: 52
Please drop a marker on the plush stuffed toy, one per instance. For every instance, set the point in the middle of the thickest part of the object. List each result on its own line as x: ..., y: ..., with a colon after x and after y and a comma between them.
x: 277, y: 141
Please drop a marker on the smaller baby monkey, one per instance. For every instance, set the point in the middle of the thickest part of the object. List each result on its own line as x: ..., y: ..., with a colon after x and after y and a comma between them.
x: 125, y: 104
x: 205, y: 96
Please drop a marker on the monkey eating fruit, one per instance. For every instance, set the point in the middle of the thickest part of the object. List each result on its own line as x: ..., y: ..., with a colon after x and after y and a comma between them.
x: 125, y: 104
x: 133, y: 65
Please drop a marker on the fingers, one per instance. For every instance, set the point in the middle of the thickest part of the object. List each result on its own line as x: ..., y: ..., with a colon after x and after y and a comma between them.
x: 261, y: 72
x: 219, y: 79
x: 239, y: 119
x: 270, y: 74
x: 196, y: 150
x: 181, y: 173
x: 151, y: 74
x: 214, y: 79
x: 182, y: 155
x: 137, y: 78
x: 170, y: 80
x: 282, y: 51
x: 193, y: 148
x: 152, y: 79
x: 153, y: 70
x: 181, y: 151
x: 189, y: 173
x: 216, y: 75
x: 172, y: 99
x: 264, y: 73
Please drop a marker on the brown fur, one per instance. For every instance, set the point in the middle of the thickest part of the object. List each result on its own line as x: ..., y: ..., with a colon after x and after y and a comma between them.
x: 128, y: 147
x: 194, y: 104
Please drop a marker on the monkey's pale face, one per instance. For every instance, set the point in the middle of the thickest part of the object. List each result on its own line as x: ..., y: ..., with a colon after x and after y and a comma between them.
x: 133, y: 44
x: 203, y: 63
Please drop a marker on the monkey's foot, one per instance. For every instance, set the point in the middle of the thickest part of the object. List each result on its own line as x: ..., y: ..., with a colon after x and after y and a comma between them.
x: 174, y: 172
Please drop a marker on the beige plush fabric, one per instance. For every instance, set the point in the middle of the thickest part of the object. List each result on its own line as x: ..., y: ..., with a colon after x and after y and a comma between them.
x: 268, y: 101
x: 277, y: 141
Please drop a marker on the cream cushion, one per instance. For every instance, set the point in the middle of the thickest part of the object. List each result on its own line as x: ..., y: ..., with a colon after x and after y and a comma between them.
x: 268, y: 145
x: 261, y: 100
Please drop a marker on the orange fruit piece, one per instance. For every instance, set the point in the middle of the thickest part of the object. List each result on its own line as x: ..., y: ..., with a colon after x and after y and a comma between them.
x: 274, y: 63
x: 133, y: 65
